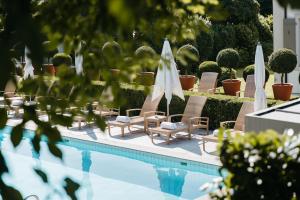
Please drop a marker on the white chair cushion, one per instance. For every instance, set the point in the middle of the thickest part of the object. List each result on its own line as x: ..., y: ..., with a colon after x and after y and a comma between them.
x: 168, y: 125
x: 16, y: 102
x: 124, y: 119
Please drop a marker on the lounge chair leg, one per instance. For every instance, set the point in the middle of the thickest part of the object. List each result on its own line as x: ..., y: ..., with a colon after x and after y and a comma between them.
x: 79, y: 124
x: 151, y: 135
x: 203, y: 143
x: 108, y: 127
x: 122, y: 132
x: 168, y: 139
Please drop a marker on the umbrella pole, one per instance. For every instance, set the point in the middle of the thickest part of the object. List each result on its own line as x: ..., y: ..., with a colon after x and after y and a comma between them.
x: 168, y: 109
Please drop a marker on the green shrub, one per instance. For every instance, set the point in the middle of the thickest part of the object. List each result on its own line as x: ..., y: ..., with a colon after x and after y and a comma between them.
x: 218, y: 107
x: 145, y: 55
x: 283, y: 61
x: 209, y: 66
x: 204, y: 41
x: 249, y: 70
x: 187, y: 58
x: 62, y: 59
x: 228, y: 58
x: 111, y: 52
x: 226, y: 74
x: 260, y: 166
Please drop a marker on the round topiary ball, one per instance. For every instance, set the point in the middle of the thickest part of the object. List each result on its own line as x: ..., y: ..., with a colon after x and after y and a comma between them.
x: 225, y: 74
x: 209, y: 66
x: 228, y: 58
x: 111, y: 48
x: 249, y: 70
x: 145, y: 52
x: 187, y: 58
x: 61, y: 59
x: 283, y: 61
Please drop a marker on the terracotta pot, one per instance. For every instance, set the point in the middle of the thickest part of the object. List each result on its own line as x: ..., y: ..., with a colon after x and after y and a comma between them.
x: 282, y: 91
x: 115, y: 72
x: 231, y: 86
x: 50, y: 69
x: 187, y: 81
x: 146, y: 78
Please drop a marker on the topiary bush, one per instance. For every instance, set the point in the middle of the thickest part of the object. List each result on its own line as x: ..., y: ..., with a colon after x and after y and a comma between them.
x: 228, y: 58
x: 146, y: 56
x: 283, y: 61
x: 260, y: 166
x: 226, y: 74
x: 111, y: 52
x: 209, y: 66
x: 187, y: 58
x: 249, y: 70
x: 61, y: 59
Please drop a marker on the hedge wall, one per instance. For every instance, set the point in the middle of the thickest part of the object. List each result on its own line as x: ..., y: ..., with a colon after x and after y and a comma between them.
x: 218, y: 107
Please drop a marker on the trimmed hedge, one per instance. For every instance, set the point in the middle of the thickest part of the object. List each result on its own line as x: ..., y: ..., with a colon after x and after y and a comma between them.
x: 218, y: 107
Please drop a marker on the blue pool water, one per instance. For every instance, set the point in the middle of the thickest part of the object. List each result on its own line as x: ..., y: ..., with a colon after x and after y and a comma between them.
x: 104, y: 172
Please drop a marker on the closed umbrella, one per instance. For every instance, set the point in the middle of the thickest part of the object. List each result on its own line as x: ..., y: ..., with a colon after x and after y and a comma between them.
x: 28, y: 69
x: 78, y: 60
x: 259, y: 76
x: 167, y: 79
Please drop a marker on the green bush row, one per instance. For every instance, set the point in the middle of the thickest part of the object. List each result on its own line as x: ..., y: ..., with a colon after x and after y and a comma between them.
x: 218, y: 107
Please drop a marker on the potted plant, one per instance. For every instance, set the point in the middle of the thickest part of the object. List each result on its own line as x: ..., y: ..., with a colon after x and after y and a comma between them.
x: 111, y: 52
x: 282, y: 61
x: 50, y: 51
x: 229, y: 58
x: 60, y: 59
x: 187, y: 58
x: 249, y: 70
x: 145, y: 55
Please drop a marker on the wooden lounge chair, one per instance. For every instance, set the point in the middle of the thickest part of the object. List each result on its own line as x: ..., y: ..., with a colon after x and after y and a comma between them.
x: 239, y: 124
x: 249, y: 88
x: 208, y: 82
x: 148, y: 109
x: 190, y: 119
x: 105, y: 111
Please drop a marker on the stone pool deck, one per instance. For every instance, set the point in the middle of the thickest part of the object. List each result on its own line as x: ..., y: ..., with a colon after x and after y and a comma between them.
x: 138, y: 140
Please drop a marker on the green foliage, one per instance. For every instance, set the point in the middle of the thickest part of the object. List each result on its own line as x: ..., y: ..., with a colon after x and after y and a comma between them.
x: 205, y: 44
x: 220, y: 32
x: 187, y: 58
x: 249, y: 70
x: 111, y: 49
x: 228, y: 58
x: 226, y: 74
x: 283, y: 61
x: 209, y: 66
x: 146, y: 56
x: 260, y: 166
x: 241, y: 11
x: 62, y: 59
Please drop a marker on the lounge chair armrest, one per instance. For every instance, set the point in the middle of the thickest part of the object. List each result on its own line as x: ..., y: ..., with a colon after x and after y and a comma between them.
x: 225, y: 124
x: 151, y: 113
x: 132, y: 110
x: 199, y: 121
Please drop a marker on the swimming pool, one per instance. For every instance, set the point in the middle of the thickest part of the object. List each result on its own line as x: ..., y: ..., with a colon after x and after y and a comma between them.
x: 105, y: 172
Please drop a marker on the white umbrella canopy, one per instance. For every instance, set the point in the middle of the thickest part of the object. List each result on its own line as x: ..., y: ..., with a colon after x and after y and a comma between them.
x: 28, y: 69
x: 259, y: 76
x: 167, y: 78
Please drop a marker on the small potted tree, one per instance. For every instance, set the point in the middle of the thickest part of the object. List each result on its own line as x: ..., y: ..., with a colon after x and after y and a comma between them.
x: 60, y: 59
x: 112, y: 52
x: 282, y: 61
x: 229, y: 58
x: 146, y: 56
x: 50, y: 51
x: 209, y: 66
x: 187, y: 58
